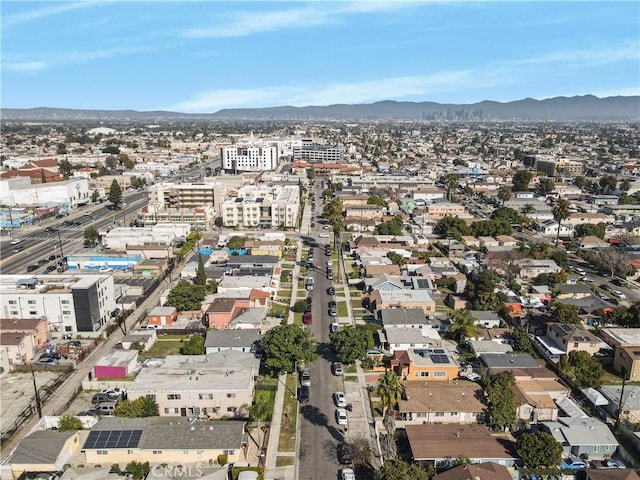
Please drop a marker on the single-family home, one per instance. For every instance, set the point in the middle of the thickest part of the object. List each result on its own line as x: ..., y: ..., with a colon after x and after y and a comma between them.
x: 477, y: 471
x: 590, y: 242
x: 19, y: 347
x: 549, y: 228
x: 530, y: 268
x: 383, y: 299
x: 403, y: 318
x: 439, y: 402
x: 569, y: 337
x: 442, y: 444
x: 244, y: 340
x: 485, y: 318
x: 38, y: 328
x: 630, y: 405
x: 44, y: 451
x: 577, y: 290
x: 163, y: 316
x: 399, y: 338
x: 145, y: 338
x: 425, y: 364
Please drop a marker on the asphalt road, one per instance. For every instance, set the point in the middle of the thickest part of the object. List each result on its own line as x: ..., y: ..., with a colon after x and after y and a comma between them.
x: 319, y: 432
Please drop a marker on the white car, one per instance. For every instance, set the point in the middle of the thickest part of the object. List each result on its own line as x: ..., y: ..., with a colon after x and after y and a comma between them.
x: 16, y: 241
x: 341, y: 416
x: 339, y: 399
x: 347, y: 474
x: 334, y: 327
x: 619, y: 294
x: 324, y: 235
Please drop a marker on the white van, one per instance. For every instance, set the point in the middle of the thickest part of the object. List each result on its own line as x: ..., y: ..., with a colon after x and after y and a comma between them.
x: 309, y: 283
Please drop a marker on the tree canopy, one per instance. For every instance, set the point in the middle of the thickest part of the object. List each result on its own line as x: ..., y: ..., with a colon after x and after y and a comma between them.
x: 193, y: 346
x: 286, y: 345
x: 186, y: 296
x: 236, y: 242
x: 138, y: 408
x: 115, y: 193
x: 201, y: 275
x: 586, y: 370
x: 590, y: 229
x: 520, y: 180
x: 376, y: 200
x: 91, y: 235
x: 396, y: 469
x: 463, y: 325
x: 539, y: 449
x: 390, y: 389
x: 69, y: 422
x: 396, y: 258
x: 501, y: 399
x: 350, y: 343
x: 565, y: 313
x: 392, y: 227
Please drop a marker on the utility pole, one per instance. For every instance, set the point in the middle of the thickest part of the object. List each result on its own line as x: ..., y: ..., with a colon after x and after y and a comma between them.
x: 37, y: 395
x: 620, y: 402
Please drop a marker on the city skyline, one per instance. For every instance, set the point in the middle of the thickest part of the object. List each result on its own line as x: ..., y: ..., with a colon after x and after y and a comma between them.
x: 200, y: 57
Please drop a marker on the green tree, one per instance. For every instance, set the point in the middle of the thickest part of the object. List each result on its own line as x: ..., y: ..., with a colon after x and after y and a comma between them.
x: 451, y: 183
x: 350, y: 343
x: 193, y: 346
x: 539, y: 449
x: 392, y: 227
x: 68, y: 423
x: 491, y: 228
x: 236, y: 242
x: 376, y: 200
x: 300, y: 306
x: 590, y: 229
x: 201, y: 275
x: 565, y: 313
x: 390, y: 390
x: 286, y: 345
x: 115, y: 193
x: 65, y: 167
x: 138, y: 408
x: 501, y: 400
x: 608, y: 183
x: 463, y: 325
x: 504, y: 194
x: 453, y: 226
x: 480, y: 282
x: 396, y: 258
x: 506, y: 214
x: 398, y: 469
x: 545, y: 186
x: 186, y: 296
x: 521, y: 340
x: 561, y: 211
x: 95, y: 196
x: 138, y: 470
x: 112, y: 149
x: 520, y: 181
x: 585, y: 370
x: 91, y: 235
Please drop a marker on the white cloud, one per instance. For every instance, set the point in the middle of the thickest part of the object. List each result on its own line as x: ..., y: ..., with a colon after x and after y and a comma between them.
x: 23, y: 17
x: 591, y: 57
x: 25, y: 66
x: 359, y: 92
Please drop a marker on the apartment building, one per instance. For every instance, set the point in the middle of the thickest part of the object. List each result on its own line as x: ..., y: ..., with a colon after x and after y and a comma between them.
x: 555, y: 166
x: 186, y: 195
x: 317, y: 151
x: 69, y: 303
x: 249, y: 158
x: 267, y: 207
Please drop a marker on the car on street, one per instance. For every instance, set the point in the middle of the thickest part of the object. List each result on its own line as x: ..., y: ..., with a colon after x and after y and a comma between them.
x: 330, y: 276
x: 324, y: 235
x: 336, y: 368
x: 344, y: 454
x: 573, y: 463
x: 19, y: 248
x: 16, y: 241
x: 305, y: 377
x: 51, y: 229
x: 339, y: 399
x: 333, y: 308
x: 31, y: 268
x: 341, y: 416
x: 607, y: 463
x: 334, y: 327
x: 307, y: 318
x: 331, y: 291
x: 303, y: 395
x: 619, y: 294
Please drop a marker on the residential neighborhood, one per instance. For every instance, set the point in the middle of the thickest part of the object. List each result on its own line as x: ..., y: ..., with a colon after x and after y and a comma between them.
x: 304, y: 299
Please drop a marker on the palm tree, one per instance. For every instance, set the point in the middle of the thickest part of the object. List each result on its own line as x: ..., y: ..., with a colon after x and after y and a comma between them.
x: 463, y: 325
x: 561, y: 211
x: 451, y: 183
x: 390, y: 390
x: 504, y: 193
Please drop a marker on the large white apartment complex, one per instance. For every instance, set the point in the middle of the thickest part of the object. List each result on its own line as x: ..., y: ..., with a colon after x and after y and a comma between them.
x: 249, y: 158
x: 262, y: 206
x: 315, y: 150
x: 69, y: 303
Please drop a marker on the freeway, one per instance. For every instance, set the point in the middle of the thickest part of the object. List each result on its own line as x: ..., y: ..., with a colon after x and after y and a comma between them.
x: 37, y: 244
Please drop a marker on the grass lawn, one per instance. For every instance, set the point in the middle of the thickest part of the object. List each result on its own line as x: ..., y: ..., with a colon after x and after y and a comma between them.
x: 610, y: 377
x: 284, y: 461
x: 163, y: 347
x: 350, y: 378
x: 265, y: 393
x: 287, y: 440
x: 342, y: 309
x: 357, y: 305
x: 285, y: 293
x: 288, y: 266
x: 376, y: 405
x: 442, y: 308
x: 351, y: 368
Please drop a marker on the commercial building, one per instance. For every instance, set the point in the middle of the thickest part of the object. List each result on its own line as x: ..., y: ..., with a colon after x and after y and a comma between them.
x: 264, y: 206
x: 316, y: 150
x: 249, y: 158
x: 69, y: 303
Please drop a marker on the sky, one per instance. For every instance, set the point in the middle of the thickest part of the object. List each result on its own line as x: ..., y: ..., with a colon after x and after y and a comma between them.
x: 203, y: 56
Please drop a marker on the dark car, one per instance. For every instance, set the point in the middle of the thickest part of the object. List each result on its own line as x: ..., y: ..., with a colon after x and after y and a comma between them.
x: 31, y: 268
x: 67, y: 223
x: 331, y: 291
x: 50, y: 268
x: 344, y: 454
x: 303, y: 395
x: 60, y: 215
x: 51, y: 229
x: 53, y: 257
x: 307, y: 318
x: 42, y: 262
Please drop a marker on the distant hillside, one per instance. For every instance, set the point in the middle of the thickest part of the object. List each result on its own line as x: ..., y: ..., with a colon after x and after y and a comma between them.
x: 561, y: 109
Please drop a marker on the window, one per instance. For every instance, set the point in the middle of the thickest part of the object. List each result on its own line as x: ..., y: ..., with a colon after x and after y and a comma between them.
x: 231, y: 409
x: 129, y: 452
x: 439, y: 374
x: 229, y: 452
x: 185, y: 452
x: 454, y: 414
x: 32, y: 312
x: 171, y: 410
x: 12, y: 302
x: 173, y: 396
x: 157, y: 452
x: 151, y: 396
x: 31, y: 302
x: 575, y: 345
x: 205, y: 396
x: 64, y: 302
x: 66, y: 312
x: 102, y: 452
x: 231, y: 395
x: 595, y: 448
x: 439, y: 414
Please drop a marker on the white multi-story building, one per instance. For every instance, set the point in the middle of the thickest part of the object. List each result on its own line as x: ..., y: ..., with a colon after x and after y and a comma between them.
x: 162, y: 169
x: 70, y: 303
x: 249, y: 158
x: 268, y: 207
x: 20, y: 191
x: 315, y: 150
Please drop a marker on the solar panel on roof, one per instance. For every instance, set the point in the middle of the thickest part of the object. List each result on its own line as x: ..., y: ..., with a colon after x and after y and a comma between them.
x: 439, y: 359
x: 439, y: 351
x: 113, y: 439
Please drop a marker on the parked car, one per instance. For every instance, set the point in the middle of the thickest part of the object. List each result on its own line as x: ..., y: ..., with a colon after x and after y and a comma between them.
x: 31, y: 268
x: 303, y: 395
x: 106, y: 408
x: 344, y: 454
x: 619, y: 294
x: 334, y: 327
x: 573, y: 463
x: 337, y: 369
x: 341, y: 416
x: 339, y: 399
x: 104, y: 397
x: 305, y: 377
x: 51, y: 229
x: 607, y: 463
x: 331, y: 291
x: 307, y: 318
x: 47, y: 361
x: 333, y: 308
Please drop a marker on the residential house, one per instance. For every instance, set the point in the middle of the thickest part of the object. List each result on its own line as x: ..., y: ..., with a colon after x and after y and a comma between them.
x: 531, y: 268
x: 216, y: 385
x: 535, y: 400
x: 399, y: 338
x: 384, y: 282
x: 506, y: 241
x: 437, y: 402
x: 482, y: 347
x: 522, y: 365
x: 425, y: 364
x: 455, y: 302
x: 19, y: 347
x: 485, y: 318
x: 239, y: 340
x: 116, y: 364
x: 403, y: 318
x: 441, y: 444
x: 145, y: 338
x: 580, y: 434
x: 578, y: 290
x: 163, y: 440
x: 373, y: 268
x: 223, y: 310
x: 549, y: 228
x: 569, y: 337
x: 630, y: 405
x: 477, y: 471
x: 43, y: 451
x: 437, y: 211
x: 590, y: 242
x: 163, y: 316
x: 383, y: 299
x: 611, y: 474
x: 37, y: 327
x: 486, y: 242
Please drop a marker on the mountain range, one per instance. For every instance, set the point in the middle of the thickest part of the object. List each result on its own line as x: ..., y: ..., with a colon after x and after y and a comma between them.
x: 586, y: 108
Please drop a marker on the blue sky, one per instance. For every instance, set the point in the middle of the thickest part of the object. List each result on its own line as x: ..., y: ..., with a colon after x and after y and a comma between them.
x: 203, y: 56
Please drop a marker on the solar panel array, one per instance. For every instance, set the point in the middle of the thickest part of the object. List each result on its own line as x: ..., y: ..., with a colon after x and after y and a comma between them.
x: 439, y: 359
x: 113, y: 439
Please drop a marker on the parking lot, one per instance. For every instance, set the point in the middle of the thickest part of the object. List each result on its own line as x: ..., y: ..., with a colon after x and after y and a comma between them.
x: 18, y: 393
